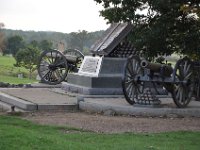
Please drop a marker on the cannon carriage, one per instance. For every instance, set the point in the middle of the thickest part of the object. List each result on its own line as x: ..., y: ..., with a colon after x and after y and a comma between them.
x: 182, y: 81
x: 54, y: 65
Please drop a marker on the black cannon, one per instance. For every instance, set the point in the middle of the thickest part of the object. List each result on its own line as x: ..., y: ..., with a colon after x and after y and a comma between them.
x: 54, y: 65
x: 179, y: 81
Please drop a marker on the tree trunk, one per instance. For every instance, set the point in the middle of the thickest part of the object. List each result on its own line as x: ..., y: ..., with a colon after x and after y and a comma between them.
x: 30, y: 74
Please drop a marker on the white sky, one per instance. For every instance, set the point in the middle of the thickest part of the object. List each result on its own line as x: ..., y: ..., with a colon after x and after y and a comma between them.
x: 52, y: 15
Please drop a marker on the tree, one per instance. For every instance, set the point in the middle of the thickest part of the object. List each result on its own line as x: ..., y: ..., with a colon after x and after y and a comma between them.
x: 27, y: 58
x: 45, y: 45
x: 2, y: 39
x: 160, y: 26
x: 78, y: 39
x: 34, y: 43
x: 14, y: 44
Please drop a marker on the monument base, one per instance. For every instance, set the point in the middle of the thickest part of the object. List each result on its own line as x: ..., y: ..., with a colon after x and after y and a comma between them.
x: 104, y: 81
x: 93, y: 85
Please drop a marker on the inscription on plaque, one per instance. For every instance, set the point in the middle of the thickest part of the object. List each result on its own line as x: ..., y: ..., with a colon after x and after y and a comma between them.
x: 90, y: 66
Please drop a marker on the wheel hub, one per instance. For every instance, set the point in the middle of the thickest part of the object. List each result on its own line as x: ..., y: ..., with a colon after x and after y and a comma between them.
x: 52, y: 67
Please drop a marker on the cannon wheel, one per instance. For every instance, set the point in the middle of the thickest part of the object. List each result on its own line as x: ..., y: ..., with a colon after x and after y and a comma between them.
x: 52, y: 67
x: 131, y: 86
x: 197, y: 83
x: 80, y: 57
x: 197, y: 90
x: 183, y: 90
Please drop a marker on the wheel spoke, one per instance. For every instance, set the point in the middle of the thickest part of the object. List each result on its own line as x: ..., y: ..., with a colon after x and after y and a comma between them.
x: 181, y: 72
x: 136, y: 67
x: 130, y: 92
x: 129, y: 71
x: 181, y: 94
x: 52, y: 57
x: 128, y: 87
x: 58, y: 73
x: 129, y: 81
x: 133, y: 64
x: 188, y: 69
x: 56, y: 57
x: 128, y: 75
x: 134, y: 92
x: 185, y: 67
x: 177, y: 92
x: 188, y: 76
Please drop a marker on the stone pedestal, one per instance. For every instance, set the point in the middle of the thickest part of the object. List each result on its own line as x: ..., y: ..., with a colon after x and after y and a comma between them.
x: 97, y: 76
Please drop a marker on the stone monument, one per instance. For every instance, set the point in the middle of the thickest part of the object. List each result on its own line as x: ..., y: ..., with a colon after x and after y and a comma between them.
x: 101, y: 73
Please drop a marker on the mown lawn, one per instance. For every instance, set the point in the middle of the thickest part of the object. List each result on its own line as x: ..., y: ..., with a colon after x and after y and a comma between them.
x: 9, y: 73
x: 15, y: 80
x: 19, y: 134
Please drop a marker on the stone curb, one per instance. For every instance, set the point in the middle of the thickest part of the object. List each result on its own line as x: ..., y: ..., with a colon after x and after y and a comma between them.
x: 29, y: 106
x: 13, y: 101
x: 43, y: 85
x: 33, y: 85
x: 138, y: 111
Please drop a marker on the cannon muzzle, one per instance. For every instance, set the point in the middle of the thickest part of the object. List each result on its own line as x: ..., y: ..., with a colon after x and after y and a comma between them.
x: 163, y: 69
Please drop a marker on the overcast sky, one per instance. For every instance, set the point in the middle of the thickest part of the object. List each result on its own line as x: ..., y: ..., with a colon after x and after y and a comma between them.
x: 52, y: 15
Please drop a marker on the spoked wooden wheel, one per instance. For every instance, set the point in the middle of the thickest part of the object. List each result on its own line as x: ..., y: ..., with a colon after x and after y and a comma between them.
x: 197, y: 90
x: 183, y: 75
x: 52, y: 67
x: 197, y: 82
x: 75, y: 58
x: 131, y: 85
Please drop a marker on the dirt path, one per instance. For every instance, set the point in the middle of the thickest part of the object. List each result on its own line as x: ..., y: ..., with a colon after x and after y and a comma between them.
x: 115, y: 124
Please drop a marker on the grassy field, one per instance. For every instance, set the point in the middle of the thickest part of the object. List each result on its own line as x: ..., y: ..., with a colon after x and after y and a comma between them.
x: 9, y: 73
x: 24, y: 135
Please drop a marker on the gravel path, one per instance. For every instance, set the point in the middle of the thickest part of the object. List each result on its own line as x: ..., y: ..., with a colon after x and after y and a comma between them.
x: 115, y: 124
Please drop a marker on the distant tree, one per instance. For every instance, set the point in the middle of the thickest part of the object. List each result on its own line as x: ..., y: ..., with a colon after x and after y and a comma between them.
x: 160, y: 26
x: 14, y: 44
x: 27, y: 58
x: 78, y: 39
x: 2, y: 38
x: 45, y: 45
x: 34, y: 43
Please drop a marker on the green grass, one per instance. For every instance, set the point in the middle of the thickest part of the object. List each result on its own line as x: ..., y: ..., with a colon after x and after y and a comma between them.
x: 8, y: 73
x: 15, y: 80
x: 24, y: 135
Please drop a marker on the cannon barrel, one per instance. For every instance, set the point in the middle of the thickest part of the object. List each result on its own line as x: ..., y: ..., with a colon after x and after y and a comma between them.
x: 71, y: 58
x: 163, y: 69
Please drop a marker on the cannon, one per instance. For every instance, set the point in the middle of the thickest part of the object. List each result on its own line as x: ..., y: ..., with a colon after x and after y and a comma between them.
x: 179, y: 81
x: 53, y: 65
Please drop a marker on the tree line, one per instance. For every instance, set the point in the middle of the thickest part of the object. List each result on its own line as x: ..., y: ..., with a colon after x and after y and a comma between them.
x: 81, y: 40
x: 26, y: 46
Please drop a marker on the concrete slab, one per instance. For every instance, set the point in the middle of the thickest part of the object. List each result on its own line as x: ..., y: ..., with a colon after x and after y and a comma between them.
x: 31, y: 99
x: 55, y: 99
x: 14, y: 101
x: 119, y: 106
x: 43, y: 85
x: 4, y: 107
